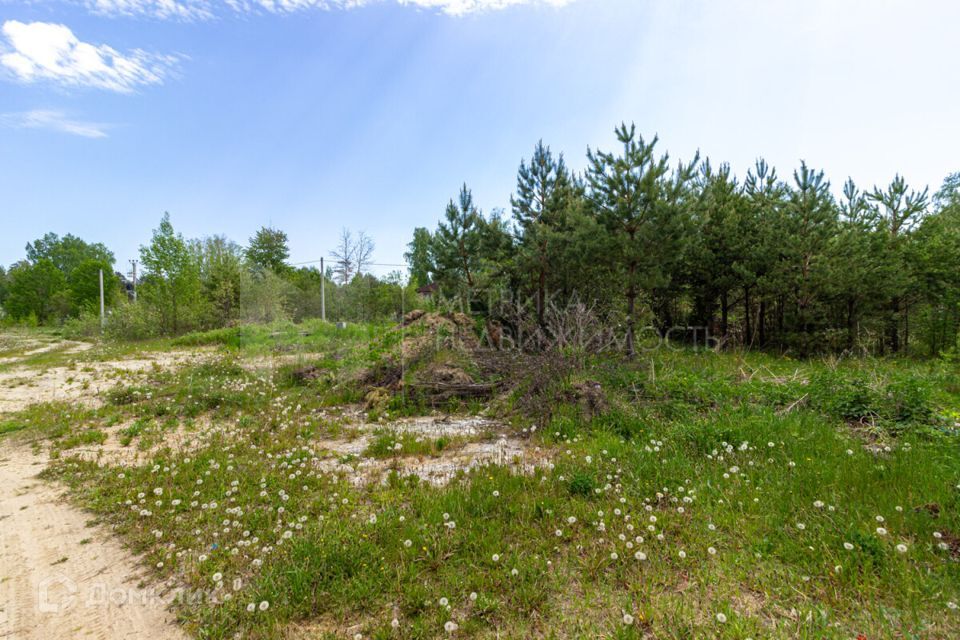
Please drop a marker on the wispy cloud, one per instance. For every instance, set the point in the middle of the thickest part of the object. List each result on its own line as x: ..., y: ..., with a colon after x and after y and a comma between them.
x: 203, y: 9
x: 166, y: 9
x: 463, y: 7
x: 53, y: 120
x: 45, y: 51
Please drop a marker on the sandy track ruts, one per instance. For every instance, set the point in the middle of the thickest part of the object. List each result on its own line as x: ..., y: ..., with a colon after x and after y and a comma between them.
x: 61, y: 579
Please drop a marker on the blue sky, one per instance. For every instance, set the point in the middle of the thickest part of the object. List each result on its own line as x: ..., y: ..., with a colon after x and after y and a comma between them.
x: 312, y: 115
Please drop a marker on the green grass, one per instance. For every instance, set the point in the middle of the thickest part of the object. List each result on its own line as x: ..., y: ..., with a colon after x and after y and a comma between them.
x: 11, y: 426
x: 773, y: 464
x: 388, y: 444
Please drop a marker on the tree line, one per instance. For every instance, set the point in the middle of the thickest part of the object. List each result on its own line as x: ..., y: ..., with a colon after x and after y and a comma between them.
x: 764, y: 261
x: 193, y: 284
x: 683, y: 249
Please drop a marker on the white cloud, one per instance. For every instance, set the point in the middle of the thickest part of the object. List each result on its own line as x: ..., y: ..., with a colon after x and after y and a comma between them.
x: 203, y: 9
x: 53, y: 121
x: 38, y: 51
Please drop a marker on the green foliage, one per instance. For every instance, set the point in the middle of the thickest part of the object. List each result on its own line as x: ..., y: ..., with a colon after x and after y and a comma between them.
x: 456, y: 247
x: 761, y: 263
x: 37, y: 291
x: 58, y: 280
x: 582, y: 484
x: 641, y: 204
x: 84, y: 285
x: 171, y: 284
x: 222, y: 276
x: 891, y: 401
x: 419, y: 257
x: 135, y: 321
x: 847, y: 396
x: 633, y: 247
x: 67, y: 253
x: 4, y: 285
x: 263, y: 298
x: 763, y: 494
x: 268, y: 250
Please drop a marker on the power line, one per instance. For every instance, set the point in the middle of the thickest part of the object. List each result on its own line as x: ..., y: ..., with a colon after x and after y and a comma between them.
x: 369, y: 264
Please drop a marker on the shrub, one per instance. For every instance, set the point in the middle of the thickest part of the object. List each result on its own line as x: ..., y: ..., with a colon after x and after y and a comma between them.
x: 134, y: 321
x: 908, y: 401
x: 582, y: 484
x: 86, y: 325
x: 894, y: 403
x: 846, y: 396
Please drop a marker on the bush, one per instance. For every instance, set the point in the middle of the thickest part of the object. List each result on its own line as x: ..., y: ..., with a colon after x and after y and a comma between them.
x: 908, y: 401
x: 133, y: 321
x: 893, y: 403
x: 86, y: 325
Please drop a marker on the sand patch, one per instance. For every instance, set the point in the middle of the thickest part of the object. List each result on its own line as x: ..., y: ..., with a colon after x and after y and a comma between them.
x: 488, y: 443
x: 256, y: 364
x: 83, y: 383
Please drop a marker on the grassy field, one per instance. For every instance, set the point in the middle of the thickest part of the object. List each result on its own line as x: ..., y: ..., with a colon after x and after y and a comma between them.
x: 703, y: 495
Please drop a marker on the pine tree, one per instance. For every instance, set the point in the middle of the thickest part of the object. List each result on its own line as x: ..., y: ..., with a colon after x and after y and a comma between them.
x: 456, y: 246
x: 543, y: 194
x: 898, y: 211
x: 811, y: 221
x: 638, y: 200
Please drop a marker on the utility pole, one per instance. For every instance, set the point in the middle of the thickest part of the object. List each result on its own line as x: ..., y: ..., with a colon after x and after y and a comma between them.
x: 323, y: 297
x: 103, y: 314
x: 134, y: 263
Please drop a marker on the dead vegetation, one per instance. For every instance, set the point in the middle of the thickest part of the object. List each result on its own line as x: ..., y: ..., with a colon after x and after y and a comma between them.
x: 438, y: 359
x: 433, y: 358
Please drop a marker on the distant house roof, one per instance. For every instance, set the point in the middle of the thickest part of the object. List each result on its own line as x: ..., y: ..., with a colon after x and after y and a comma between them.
x: 428, y: 289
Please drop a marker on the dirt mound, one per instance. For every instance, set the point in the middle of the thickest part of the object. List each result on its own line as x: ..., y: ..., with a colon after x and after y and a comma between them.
x: 425, y: 331
x: 433, y: 355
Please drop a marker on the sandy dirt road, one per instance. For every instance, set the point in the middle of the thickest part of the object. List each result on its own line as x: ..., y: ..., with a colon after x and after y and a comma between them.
x: 61, y: 579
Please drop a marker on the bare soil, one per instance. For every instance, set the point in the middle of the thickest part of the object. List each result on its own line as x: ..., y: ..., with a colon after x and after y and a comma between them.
x: 81, y: 382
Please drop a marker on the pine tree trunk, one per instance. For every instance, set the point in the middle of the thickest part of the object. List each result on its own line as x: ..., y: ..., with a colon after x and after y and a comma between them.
x: 906, y: 328
x: 851, y: 325
x: 542, y: 295
x: 631, y: 308
x: 724, y: 315
x: 748, y: 334
x: 780, y: 317
x: 762, y: 322
x: 893, y: 326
